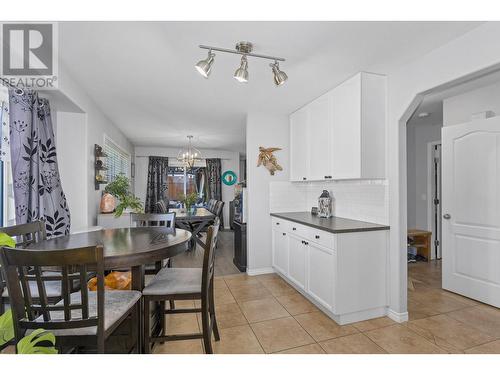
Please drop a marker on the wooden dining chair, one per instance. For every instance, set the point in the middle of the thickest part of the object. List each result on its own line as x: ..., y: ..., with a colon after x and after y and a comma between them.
x: 171, y: 284
x: 24, y: 235
x: 166, y: 220
x: 81, y: 319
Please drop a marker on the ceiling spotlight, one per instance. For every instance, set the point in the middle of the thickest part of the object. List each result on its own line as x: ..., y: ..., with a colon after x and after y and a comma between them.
x: 423, y: 114
x: 280, y: 76
x: 241, y: 74
x: 205, y: 66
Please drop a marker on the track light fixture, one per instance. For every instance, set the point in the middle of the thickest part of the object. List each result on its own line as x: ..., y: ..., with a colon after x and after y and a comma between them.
x: 241, y: 74
x: 280, y: 77
x: 205, y: 66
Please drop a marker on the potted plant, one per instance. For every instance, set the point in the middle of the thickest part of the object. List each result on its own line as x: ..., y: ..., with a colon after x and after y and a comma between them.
x: 189, y: 201
x: 120, y: 189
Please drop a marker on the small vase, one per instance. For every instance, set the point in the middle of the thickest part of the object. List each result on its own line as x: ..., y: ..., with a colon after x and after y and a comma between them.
x: 108, y: 203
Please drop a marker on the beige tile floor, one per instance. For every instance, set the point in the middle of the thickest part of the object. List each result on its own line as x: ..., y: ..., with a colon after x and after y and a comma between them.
x: 263, y: 314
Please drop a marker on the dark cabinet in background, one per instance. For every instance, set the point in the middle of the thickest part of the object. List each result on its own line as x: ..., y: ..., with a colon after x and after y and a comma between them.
x: 240, y: 245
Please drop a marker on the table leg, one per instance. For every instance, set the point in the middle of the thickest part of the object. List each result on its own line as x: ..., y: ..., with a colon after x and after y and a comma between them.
x: 138, y: 284
x: 195, y: 231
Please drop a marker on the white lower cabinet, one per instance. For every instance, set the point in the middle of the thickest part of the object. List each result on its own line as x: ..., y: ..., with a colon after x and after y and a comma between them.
x: 321, y: 278
x: 297, y: 261
x: 342, y: 274
x: 280, y: 251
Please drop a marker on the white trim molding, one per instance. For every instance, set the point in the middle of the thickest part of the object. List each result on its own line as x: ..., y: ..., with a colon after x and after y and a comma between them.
x: 259, y: 271
x: 397, y: 317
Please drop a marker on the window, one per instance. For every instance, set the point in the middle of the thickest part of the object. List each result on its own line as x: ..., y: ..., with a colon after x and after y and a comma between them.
x: 182, y: 182
x: 118, y: 160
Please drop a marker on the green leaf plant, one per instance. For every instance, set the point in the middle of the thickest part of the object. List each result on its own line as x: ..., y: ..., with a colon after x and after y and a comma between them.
x: 39, y: 341
x: 120, y: 188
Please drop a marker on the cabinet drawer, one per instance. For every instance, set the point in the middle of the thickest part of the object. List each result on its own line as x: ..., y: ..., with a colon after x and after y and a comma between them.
x: 280, y: 224
x: 298, y: 229
x: 321, y: 237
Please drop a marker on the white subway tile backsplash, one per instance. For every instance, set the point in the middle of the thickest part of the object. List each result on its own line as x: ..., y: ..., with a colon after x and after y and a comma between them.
x: 365, y: 200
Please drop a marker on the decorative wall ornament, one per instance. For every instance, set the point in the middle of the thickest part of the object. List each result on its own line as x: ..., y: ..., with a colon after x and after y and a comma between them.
x: 268, y: 160
x: 229, y: 178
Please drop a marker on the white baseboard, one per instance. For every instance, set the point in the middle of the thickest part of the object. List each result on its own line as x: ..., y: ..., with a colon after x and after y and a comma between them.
x: 259, y: 271
x: 397, y: 317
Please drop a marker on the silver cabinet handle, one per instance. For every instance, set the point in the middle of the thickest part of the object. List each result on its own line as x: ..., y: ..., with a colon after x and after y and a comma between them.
x: 447, y: 216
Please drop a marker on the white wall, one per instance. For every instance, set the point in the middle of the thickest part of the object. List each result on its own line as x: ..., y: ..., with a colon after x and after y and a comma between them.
x: 466, y: 55
x: 71, y: 136
x: 230, y: 160
x: 97, y: 124
x: 458, y: 109
x: 268, y: 131
x: 418, y: 137
x: 364, y: 200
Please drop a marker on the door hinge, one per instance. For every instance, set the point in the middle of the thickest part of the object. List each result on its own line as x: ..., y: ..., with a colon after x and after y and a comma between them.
x: 436, y: 242
x: 436, y: 201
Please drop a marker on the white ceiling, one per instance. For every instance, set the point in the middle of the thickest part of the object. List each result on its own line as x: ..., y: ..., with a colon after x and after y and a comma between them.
x: 433, y: 102
x: 141, y: 73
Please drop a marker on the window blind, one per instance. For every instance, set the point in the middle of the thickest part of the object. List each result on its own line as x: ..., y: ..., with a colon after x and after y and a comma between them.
x: 118, y: 160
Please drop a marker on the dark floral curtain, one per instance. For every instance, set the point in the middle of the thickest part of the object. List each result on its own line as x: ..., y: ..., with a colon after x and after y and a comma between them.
x: 213, y: 179
x: 157, y: 182
x: 38, y: 193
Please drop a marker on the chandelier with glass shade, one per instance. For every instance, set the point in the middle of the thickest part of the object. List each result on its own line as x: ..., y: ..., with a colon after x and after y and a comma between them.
x: 189, y: 155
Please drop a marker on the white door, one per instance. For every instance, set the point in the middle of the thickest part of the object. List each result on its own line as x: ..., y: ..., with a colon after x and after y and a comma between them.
x: 471, y: 210
x: 320, y: 137
x: 280, y: 251
x: 321, y: 274
x: 297, y: 265
x: 299, y: 145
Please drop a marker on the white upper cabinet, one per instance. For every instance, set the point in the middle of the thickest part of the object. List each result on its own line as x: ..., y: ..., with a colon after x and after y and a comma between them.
x: 299, y: 143
x: 359, y: 127
x: 341, y: 135
x: 320, y: 133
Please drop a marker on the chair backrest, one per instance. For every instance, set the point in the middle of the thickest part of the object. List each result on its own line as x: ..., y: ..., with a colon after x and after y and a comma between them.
x: 74, y: 265
x: 161, y: 207
x: 209, y: 256
x: 154, y: 220
x: 218, y: 208
x: 26, y: 234
x: 211, y: 205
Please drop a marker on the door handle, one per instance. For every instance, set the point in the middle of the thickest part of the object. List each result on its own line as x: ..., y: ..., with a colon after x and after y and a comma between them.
x: 447, y: 216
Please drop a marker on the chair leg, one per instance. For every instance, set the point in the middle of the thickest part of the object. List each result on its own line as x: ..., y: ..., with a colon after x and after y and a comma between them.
x: 163, y: 320
x: 207, y: 335
x: 212, y: 312
x: 134, y: 317
x: 147, y: 329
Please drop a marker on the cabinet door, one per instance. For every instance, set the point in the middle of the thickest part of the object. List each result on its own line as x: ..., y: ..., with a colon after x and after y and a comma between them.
x: 297, y: 264
x: 280, y: 251
x: 320, y: 137
x: 346, y: 135
x: 321, y: 274
x: 299, y: 145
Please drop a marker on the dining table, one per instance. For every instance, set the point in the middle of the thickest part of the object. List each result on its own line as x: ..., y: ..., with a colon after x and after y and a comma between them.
x: 194, y: 221
x: 127, y: 248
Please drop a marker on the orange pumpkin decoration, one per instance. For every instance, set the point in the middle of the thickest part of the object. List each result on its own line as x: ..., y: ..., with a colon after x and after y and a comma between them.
x: 113, y: 281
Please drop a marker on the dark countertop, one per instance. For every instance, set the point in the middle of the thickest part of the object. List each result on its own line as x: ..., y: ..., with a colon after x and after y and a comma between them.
x: 333, y: 224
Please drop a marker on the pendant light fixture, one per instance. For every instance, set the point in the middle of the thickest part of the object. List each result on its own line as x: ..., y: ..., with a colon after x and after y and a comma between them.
x: 205, y: 66
x: 241, y: 74
x: 189, y: 155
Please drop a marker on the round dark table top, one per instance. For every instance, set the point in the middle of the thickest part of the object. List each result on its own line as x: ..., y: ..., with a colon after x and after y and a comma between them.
x: 125, y: 247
